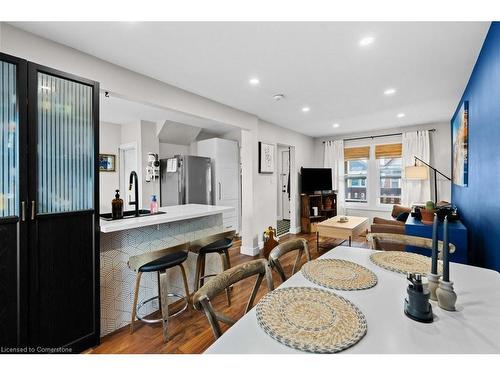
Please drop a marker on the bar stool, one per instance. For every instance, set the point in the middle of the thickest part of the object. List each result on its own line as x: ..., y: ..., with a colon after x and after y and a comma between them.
x: 159, y: 261
x: 218, y: 243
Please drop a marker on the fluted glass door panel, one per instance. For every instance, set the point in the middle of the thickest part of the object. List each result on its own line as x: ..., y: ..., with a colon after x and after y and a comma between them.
x: 9, y: 141
x: 65, y: 145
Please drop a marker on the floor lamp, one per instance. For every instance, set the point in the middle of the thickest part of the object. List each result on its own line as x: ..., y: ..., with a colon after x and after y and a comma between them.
x: 419, y: 172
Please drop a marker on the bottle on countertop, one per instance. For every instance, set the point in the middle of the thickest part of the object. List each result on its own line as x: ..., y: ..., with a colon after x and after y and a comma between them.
x: 117, y: 206
x: 154, y: 205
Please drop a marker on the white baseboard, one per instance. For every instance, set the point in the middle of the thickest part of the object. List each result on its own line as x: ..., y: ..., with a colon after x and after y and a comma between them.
x: 251, y: 251
x: 295, y: 230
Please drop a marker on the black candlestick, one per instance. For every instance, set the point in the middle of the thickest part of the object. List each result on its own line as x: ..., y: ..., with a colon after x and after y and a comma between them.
x: 434, y: 245
x: 446, y: 251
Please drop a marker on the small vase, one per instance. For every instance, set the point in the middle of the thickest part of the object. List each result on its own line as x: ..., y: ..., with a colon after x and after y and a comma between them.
x: 446, y: 296
x: 433, y: 283
x: 328, y: 203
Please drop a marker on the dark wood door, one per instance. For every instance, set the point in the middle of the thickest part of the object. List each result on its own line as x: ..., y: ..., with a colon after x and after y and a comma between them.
x: 13, y: 197
x: 63, y: 200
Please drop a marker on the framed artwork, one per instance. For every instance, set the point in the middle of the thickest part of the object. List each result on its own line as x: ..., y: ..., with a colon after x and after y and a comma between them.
x: 107, y: 163
x: 460, y: 131
x: 266, y: 158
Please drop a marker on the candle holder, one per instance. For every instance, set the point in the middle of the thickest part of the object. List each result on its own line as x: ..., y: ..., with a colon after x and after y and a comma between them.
x: 446, y: 296
x: 433, y: 283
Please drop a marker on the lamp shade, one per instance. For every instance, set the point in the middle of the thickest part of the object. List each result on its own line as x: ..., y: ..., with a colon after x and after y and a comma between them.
x: 416, y: 172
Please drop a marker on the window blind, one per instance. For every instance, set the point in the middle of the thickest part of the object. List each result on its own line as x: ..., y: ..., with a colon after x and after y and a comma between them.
x: 388, y: 151
x: 356, y: 153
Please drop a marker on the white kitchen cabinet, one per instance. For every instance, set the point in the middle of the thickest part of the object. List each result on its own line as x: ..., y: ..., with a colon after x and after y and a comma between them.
x: 226, y: 179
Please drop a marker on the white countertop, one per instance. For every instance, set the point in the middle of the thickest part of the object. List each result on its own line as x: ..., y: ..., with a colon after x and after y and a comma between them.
x: 172, y: 213
x: 473, y: 328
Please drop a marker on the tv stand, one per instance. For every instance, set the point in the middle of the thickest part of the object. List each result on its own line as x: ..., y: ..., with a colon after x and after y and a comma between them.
x: 326, y: 209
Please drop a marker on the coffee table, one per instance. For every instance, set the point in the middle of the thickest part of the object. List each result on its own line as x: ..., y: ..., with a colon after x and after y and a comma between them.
x: 334, y: 229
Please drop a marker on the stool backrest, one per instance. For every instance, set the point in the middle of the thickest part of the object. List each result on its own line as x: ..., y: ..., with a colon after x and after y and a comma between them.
x: 135, y: 262
x: 196, y: 245
x: 425, y: 243
x: 201, y: 299
x: 298, y: 244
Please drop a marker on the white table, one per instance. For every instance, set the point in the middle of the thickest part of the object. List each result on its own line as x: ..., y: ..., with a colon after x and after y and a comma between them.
x: 474, y: 328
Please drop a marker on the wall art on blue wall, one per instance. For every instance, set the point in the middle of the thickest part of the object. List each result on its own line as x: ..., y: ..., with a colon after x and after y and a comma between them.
x: 460, y: 130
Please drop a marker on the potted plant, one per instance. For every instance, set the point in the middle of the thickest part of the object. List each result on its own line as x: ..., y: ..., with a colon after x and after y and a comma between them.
x: 428, y: 212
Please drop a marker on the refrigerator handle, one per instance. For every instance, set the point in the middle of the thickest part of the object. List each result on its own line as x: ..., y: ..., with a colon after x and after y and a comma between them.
x: 220, y: 191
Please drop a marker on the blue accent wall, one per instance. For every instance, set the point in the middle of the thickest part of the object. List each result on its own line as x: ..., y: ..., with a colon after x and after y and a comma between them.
x: 479, y: 202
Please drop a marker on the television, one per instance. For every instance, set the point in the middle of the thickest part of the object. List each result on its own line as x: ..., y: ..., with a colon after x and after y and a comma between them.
x: 316, y: 179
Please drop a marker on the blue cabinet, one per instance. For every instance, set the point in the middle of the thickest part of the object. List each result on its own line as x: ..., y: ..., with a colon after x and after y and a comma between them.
x: 457, y: 236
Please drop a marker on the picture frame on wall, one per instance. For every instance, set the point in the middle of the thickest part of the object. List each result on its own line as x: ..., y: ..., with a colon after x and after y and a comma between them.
x: 266, y: 158
x: 460, y: 134
x: 107, y: 163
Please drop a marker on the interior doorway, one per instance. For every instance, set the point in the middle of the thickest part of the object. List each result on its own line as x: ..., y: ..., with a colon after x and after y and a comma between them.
x: 128, y: 163
x: 284, y: 191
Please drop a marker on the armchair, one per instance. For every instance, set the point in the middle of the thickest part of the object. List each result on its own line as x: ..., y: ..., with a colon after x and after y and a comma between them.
x: 396, y: 225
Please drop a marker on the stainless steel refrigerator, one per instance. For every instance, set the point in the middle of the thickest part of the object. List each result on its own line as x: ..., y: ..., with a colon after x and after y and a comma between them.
x: 185, y: 179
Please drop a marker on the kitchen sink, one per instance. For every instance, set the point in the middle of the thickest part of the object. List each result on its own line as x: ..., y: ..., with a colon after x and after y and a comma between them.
x: 129, y: 215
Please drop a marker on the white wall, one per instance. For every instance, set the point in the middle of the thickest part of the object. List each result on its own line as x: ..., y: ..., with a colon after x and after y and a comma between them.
x: 109, y: 141
x: 266, y: 185
x: 279, y: 188
x: 131, y: 133
x: 440, y: 158
x: 149, y: 143
x: 168, y: 150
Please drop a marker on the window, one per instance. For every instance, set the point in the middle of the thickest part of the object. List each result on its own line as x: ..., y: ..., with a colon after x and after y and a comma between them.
x: 390, y: 180
x: 373, y: 175
x: 356, y: 172
x: 389, y: 170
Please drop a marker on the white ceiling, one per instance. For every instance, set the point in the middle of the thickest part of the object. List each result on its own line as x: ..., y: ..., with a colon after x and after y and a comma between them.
x: 121, y: 111
x: 319, y: 65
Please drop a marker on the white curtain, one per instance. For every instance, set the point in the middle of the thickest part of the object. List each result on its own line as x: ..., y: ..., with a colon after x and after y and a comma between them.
x: 415, y: 144
x: 334, y: 159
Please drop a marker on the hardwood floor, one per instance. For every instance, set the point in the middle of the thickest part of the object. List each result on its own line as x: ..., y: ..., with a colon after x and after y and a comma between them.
x: 190, y: 332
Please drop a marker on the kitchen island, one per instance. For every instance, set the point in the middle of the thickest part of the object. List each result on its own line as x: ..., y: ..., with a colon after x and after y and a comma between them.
x: 121, y: 239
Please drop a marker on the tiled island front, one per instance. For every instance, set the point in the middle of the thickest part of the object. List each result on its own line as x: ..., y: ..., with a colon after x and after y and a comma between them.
x: 124, y: 238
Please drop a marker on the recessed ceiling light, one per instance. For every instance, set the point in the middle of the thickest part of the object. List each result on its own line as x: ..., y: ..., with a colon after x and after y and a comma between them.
x: 335, y: 125
x: 390, y: 91
x: 306, y: 109
x: 366, y: 41
x: 254, y: 81
x: 401, y: 115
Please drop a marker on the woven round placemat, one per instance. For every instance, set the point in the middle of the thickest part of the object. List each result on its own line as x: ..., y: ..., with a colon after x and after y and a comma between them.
x: 339, y: 274
x: 311, y: 319
x: 402, y: 262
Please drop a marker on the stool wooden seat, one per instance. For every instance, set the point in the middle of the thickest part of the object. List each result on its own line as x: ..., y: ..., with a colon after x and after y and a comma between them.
x: 159, y: 261
x: 218, y: 243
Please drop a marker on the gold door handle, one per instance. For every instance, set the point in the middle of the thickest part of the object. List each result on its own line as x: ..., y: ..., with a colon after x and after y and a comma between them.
x: 23, y: 211
x: 32, y: 210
